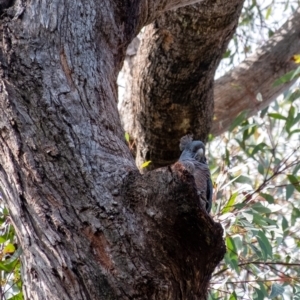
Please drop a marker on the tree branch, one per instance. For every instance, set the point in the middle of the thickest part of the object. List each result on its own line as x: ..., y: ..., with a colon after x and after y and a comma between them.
x: 237, y: 90
x: 269, y: 263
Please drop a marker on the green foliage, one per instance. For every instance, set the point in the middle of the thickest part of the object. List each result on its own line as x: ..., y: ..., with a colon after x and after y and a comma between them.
x: 127, y: 137
x: 10, y: 251
x: 255, y: 168
x: 276, y: 290
x: 288, y: 77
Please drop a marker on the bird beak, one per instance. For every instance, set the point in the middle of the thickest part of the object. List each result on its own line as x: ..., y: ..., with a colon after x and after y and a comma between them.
x: 200, y: 152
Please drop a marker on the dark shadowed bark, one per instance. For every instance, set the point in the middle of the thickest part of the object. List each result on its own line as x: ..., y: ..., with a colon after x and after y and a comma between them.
x: 171, y: 90
x: 88, y: 229
x: 180, y: 243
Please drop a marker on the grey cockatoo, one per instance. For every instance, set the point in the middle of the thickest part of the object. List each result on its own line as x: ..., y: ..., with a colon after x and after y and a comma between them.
x: 194, y: 160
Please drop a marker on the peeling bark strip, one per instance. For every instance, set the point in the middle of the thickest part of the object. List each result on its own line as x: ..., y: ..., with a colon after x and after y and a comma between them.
x: 169, y: 91
x: 63, y: 162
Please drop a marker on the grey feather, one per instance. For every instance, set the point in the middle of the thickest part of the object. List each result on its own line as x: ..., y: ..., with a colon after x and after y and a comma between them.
x: 194, y: 160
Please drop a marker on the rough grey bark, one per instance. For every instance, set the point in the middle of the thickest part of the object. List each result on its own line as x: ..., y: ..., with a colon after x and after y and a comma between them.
x: 171, y: 90
x: 89, y: 225
x: 179, y: 239
x: 237, y: 91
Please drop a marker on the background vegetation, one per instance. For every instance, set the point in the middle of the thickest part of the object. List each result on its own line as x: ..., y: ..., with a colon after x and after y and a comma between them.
x: 255, y: 167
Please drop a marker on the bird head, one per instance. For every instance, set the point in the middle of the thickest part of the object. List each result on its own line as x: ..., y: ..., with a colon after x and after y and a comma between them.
x: 192, y: 150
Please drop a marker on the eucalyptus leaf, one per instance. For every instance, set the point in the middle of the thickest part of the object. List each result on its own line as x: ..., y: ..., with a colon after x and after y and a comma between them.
x: 289, y: 76
x: 238, y: 120
x: 233, y: 296
x: 276, y: 290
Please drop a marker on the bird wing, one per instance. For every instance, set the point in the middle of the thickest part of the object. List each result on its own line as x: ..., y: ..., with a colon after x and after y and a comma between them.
x: 201, y: 174
x: 203, y: 183
x: 189, y: 165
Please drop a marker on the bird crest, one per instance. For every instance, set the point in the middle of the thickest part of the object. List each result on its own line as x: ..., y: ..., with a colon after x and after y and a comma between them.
x: 185, y: 140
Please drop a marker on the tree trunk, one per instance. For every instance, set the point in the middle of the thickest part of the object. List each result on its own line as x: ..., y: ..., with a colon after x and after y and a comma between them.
x: 90, y: 226
x: 170, y: 92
